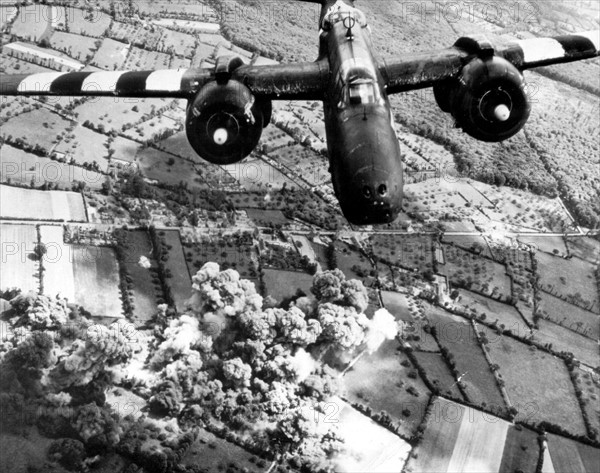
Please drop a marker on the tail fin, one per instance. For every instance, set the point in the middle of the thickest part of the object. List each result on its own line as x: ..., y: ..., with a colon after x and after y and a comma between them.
x: 326, y: 5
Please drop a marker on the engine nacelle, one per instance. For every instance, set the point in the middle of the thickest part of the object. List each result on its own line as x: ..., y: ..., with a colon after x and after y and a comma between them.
x: 224, y: 122
x: 488, y: 101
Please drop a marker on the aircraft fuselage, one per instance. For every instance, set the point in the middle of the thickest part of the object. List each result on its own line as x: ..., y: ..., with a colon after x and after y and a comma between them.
x: 364, y: 153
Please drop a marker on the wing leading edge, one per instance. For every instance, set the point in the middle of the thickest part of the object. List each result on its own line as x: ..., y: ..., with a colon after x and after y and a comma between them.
x: 277, y: 81
x: 416, y: 71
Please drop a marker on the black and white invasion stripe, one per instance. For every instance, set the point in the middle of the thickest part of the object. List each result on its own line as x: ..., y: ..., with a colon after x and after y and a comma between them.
x: 535, y: 52
x: 160, y: 83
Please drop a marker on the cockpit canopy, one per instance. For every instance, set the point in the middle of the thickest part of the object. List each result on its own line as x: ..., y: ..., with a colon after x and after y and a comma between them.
x: 361, y: 92
x: 350, y: 17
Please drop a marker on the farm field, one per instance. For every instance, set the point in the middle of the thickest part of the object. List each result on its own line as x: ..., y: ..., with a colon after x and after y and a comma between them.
x: 58, y: 276
x: 535, y: 378
x: 49, y: 126
x: 31, y: 204
x: 114, y: 113
x: 124, y: 149
x: 282, y: 284
x: 142, y: 59
x: 406, y: 251
x: 459, y: 338
x: 216, y: 454
x: 438, y: 373
x: 465, y: 269
x: 20, y: 167
x: 126, y: 32
x: 179, y: 43
x: 585, y: 248
x: 571, y: 456
x: 154, y: 164
x: 96, y: 273
x: 145, y: 293
x: 572, y: 279
x: 19, y: 269
x: 569, y: 316
x: 111, y: 55
x: 76, y: 46
x: 473, y: 243
x: 80, y: 22
x: 265, y: 217
x: 521, y: 450
x: 181, y: 282
x: 406, y: 310
x: 506, y: 316
x: 25, y: 28
x: 254, y: 174
x: 585, y: 349
x: 590, y: 393
x: 369, y: 446
x: 552, y: 245
x: 459, y: 438
x: 85, y: 147
x: 229, y: 253
x: 352, y: 262
x: 386, y: 381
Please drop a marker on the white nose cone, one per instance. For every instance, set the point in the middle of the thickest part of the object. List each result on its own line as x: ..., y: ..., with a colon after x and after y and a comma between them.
x: 502, y: 113
x: 220, y: 136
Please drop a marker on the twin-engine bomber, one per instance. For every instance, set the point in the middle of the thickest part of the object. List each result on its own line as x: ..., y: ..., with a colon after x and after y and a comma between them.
x: 481, y: 86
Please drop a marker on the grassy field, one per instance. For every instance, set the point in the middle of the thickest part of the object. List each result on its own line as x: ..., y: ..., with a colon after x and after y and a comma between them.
x: 142, y: 59
x: 369, y: 447
x: 458, y: 337
x: 407, y: 251
x: 180, y: 43
x: 253, y: 174
x: 569, y: 316
x: 506, y: 316
x: 481, y: 275
x: 407, y: 310
x: 181, y: 283
x: 85, y: 146
x: 32, y: 204
x: 572, y: 279
x: 438, y: 374
x: 571, y: 456
x: 20, y: 167
x: 474, y: 243
x: 459, y: 438
x: 111, y: 55
x: 521, y: 450
x: 590, y: 389
x: 81, y: 23
x: 553, y: 245
x: 537, y: 382
x: 33, y: 30
x: 76, y: 46
x: 58, y: 278
x: 96, y: 274
x: 145, y: 293
x: 584, y: 248
x: 227, y: 252
x: 154, y: 164
x: 352, y: 262
x: 49, y: 125
x: 386, y: 381
x: 19, y: 268
x: 282, y: 284
x: 585, y: 349
x: 216, y: 454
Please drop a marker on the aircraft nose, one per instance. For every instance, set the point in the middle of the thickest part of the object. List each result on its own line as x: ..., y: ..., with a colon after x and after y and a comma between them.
x: 373, y: 198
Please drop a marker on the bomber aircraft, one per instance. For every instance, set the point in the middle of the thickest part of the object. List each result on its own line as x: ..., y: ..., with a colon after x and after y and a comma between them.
x: 480, y: 85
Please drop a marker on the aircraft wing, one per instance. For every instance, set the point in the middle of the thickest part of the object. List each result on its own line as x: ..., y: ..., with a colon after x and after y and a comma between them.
x: 277, y: 81
x: 416, y: 71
